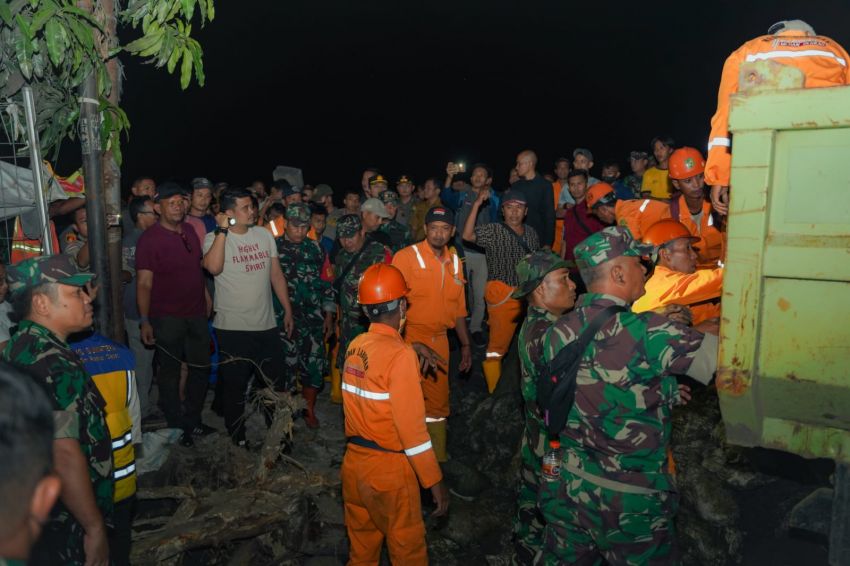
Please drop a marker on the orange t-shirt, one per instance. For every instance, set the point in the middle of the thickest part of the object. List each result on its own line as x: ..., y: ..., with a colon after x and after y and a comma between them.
x: 638, y: 215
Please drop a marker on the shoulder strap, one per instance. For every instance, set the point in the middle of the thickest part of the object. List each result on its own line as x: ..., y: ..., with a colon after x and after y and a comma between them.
x: 563, y: 370
x: 517, y: 237
x: 337, y: 283
x: 674, y: 208
x: 580, y: 221
x: 588, y: 333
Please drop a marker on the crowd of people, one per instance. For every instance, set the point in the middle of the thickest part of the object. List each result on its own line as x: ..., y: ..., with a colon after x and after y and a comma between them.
x: 294, y: 291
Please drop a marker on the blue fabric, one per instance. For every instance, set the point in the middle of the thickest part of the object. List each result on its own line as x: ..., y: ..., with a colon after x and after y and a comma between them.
x: 622, y: 191
x: 327, y: 244
x: 101, y: 355
x: 451, y: 198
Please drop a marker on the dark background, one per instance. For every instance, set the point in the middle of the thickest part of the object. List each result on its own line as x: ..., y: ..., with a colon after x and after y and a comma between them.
x: 332, y: 87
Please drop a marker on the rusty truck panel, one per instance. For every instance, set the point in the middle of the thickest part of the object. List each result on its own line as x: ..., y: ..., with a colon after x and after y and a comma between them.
x: 784, y: 376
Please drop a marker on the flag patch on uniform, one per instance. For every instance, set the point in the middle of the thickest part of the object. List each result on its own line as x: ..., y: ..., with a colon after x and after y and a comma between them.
x: 354, y: 371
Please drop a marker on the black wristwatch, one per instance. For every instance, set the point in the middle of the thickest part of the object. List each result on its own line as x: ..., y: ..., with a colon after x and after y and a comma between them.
x: 220, y: 230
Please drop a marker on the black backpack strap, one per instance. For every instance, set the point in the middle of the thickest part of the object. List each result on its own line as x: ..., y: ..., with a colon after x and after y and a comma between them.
x: 337, y: 282
x: 581, y: 223
x: 563, y: 395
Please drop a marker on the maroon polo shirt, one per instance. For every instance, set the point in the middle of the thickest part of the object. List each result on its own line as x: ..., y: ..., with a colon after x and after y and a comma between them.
x: 178, y: 281
x: 579, y: 223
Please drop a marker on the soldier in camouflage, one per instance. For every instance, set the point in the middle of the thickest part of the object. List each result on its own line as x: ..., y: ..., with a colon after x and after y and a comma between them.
x: 400, y: 235
x: 615, y: 499
x: 356, y: 255
x: 545, y: 283
x: 308, y: 277
x: 50, y: 302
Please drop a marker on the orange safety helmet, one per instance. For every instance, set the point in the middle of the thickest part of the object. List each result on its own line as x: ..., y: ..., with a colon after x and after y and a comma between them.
x: 665, y: 231
x: 685, y: 162
x: 381, y: 283
x: 599, y: 194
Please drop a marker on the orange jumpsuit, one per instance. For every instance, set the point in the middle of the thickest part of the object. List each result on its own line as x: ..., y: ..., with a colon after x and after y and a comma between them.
x: 696, y: 290
x: 710, y: 246
x: 823, y: 61
x: 503, y: 314
x: 640, y: 214
x: 435, y: 301
x: 382, y: 402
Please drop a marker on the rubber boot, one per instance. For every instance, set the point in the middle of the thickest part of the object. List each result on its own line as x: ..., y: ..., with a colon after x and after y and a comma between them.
x: 437, y: 430
x: 310, y: 394
x: 492, y: 373
x: 336, y: 382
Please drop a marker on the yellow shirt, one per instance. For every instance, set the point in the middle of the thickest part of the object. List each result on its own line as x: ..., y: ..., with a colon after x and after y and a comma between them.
x: 657, y: 182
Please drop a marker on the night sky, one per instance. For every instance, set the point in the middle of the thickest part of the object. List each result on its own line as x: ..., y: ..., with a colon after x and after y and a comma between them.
x: 332, y: 87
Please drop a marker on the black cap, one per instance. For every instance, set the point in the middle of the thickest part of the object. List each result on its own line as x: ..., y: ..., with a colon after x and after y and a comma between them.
x: 440, y: 214
x: 168, y: 190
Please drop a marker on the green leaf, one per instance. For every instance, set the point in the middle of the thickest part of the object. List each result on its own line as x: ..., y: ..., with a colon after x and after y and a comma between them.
x: 198, y: 60
x: 83, y: 34
x: 188, y: 8
x: 82, y: 15
x: 210, y: 10
x: 24, y: 26
x: 186, y: 69
x: 42, y: 16
x: 172, y: 60
x: 5, y: 13
x: 23, y: 52
x: 55, y: 43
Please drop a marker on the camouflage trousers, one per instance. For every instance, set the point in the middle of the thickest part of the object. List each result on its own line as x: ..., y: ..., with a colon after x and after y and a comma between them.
x: 350, y: 327
x: 529, y: 522
x: 304, y: 353
x: 588, y: 524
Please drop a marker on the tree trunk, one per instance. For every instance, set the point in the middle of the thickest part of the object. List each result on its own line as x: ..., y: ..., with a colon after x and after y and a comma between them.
x: 112, y: 182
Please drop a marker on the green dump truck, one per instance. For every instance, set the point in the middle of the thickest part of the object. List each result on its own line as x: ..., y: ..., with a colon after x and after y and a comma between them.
x: 784, y: 375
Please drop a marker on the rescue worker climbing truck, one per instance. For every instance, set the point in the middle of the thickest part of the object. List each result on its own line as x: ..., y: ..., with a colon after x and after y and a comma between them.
x: 389, y: 451
x: 793, y: 43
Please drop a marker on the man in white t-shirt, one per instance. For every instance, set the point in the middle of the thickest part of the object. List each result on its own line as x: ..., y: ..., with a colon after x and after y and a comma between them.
x: 243, y: 259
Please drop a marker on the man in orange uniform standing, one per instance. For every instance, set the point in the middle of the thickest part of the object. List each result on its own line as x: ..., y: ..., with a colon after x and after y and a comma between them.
x: 691, y: 207
x: 389, y: 452
x: 437, y: 302
x: 793, y: 43
x: 676, y: 279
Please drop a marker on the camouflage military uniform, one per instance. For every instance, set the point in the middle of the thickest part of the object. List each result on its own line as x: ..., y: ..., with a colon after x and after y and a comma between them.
x: 311, y: 296
x: 529, y: 523
x: 616, y: 498
x: 353, y: 321
x: 399, y: 234
x: 78, y: 413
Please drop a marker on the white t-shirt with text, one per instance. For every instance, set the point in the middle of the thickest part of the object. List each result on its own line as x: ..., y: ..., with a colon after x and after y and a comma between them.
x: 243, y: 291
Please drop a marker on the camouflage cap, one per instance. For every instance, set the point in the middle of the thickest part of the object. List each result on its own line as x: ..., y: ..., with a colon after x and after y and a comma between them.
x: 533, y: 268
x: 298, y: 213
x: 609, y: 243
x: 348, y: 226
x: 389, y: 197
x: 36, y: 271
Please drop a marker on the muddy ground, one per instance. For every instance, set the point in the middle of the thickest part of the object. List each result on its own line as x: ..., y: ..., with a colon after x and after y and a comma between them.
x: 734, y: 510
